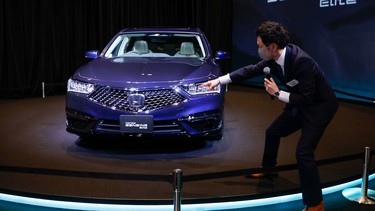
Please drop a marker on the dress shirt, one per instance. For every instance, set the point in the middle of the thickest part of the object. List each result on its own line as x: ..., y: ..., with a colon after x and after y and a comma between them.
x: 284, y: 96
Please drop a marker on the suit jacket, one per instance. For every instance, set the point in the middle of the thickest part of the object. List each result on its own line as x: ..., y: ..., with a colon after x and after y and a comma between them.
x: 310, y: 91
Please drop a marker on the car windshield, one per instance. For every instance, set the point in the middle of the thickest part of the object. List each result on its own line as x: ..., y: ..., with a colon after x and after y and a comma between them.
x: 156, y: 45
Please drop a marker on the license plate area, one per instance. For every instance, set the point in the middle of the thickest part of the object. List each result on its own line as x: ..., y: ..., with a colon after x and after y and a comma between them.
x: 136, y: 123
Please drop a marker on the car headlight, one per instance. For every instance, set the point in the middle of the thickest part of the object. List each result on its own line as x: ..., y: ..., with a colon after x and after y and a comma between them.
x: 197, y: 89
x: 80, y: 87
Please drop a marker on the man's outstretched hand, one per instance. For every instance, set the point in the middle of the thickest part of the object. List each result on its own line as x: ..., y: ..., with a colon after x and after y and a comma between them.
x: 211, y: 84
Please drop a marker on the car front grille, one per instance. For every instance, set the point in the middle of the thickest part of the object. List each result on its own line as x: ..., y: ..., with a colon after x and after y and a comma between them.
x: 160, y: 127
x: 136, y: 101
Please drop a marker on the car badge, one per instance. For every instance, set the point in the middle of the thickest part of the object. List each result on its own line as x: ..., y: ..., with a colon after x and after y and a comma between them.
x: 136, y: 101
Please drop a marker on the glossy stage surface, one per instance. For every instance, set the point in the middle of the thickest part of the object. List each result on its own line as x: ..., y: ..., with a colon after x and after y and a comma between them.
x: 40, y: 159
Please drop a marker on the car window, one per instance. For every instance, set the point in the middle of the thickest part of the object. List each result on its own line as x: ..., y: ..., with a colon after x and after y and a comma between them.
x: 156, y: 45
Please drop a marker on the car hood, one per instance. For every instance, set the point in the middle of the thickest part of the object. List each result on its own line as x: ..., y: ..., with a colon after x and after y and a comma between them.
x: 142, y: 71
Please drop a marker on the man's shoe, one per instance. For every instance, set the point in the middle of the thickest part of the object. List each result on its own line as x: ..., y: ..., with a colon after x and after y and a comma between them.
x: 319, y: 207
x: 263, y: 175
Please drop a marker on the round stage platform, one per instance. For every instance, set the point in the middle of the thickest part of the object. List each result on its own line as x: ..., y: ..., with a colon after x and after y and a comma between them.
x: 40, y: 159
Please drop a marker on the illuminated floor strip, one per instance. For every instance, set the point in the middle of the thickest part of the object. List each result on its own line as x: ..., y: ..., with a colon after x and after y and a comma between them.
x: 185, y: 207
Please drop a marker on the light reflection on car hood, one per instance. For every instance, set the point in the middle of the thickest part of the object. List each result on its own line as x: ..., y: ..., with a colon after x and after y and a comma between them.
x: 125, y: 70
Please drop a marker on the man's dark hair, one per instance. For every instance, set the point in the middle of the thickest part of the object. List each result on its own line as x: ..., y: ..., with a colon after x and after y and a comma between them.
x: 273, y: 32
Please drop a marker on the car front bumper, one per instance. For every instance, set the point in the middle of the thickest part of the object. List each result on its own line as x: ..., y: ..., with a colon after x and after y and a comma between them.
x: 198, y: 117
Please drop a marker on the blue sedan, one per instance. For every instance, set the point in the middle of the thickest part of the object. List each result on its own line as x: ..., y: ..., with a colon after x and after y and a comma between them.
x: 146, y: 82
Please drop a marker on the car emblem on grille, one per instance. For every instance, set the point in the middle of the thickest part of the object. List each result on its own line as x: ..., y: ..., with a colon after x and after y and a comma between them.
x: 136, y: 101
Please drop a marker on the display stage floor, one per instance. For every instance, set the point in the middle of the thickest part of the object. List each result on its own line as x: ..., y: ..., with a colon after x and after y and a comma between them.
x: 40, y: 158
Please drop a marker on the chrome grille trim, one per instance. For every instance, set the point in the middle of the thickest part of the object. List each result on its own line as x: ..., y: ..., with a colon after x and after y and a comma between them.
x: 118, y: 99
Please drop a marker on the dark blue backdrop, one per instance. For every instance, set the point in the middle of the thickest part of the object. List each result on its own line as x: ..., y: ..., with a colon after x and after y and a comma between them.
x: 338, y: 34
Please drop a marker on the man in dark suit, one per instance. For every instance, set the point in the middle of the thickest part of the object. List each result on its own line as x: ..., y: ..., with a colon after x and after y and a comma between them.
x: 310, y: 104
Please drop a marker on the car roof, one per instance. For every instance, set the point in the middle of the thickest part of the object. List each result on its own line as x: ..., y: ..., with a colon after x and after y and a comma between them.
x: 162, y: 30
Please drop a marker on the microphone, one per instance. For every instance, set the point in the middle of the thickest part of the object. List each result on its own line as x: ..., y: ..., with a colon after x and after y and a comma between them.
x: 266, y: 71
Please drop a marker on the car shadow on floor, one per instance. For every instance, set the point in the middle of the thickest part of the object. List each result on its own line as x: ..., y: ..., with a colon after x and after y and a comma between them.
x: 145, y: 148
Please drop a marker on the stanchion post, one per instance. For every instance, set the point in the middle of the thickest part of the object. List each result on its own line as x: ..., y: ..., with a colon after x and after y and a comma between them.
x: 177, y: 187
x: 43, y: 90
x: 366, y: 161
x: 361, y: 196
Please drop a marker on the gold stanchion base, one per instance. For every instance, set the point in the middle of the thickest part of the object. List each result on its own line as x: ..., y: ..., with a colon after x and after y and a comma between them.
x: 355, y: 194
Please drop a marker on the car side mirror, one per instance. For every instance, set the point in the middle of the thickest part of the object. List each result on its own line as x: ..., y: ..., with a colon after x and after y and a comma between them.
x: 92, y: 54
x: 222, y: 55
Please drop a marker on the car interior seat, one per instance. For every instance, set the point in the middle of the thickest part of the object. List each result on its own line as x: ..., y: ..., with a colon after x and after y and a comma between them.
x: 187, y: 49
x: 141, y: 47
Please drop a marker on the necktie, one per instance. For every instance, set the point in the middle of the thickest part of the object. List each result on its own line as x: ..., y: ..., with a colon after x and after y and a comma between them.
x: 280, y: 71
